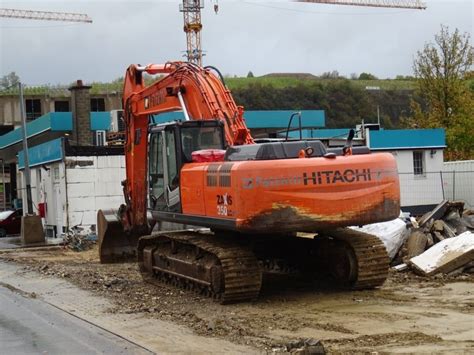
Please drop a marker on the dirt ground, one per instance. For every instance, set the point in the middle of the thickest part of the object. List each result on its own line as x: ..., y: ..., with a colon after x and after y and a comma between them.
x: 408, y: 314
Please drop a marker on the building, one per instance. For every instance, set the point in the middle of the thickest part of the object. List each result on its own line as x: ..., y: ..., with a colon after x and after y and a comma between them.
x: 70, y: 170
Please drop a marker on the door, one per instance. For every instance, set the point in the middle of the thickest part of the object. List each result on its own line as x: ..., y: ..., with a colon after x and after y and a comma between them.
x: 172, y: 173
x: 163, y: 179
x: 156, y: 180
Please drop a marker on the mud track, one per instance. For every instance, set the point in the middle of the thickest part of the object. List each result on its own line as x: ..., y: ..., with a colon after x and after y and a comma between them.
x: 408, y: 314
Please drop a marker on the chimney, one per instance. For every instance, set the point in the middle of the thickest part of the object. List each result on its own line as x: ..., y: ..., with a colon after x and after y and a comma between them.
x: 81, y: 109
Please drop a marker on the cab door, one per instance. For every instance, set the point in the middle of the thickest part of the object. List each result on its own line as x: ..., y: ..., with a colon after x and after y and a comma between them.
x: 163, y: 171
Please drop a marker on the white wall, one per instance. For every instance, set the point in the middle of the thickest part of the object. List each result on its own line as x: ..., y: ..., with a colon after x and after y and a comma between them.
x: 93, y: 183
x: 417, y: 190
x: 75, y: 189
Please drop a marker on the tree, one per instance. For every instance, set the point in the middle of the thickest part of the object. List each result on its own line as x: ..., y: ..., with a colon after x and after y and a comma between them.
x: 367, y: 76
x: 446, y: 100
x: 9, y: 81
x: 330, y: 75
x: 250, y: 74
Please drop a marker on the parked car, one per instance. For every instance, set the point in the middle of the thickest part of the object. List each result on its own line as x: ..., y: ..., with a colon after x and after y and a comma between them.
x: 10, y: 222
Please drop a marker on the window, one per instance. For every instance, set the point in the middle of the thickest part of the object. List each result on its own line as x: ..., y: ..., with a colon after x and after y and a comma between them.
x: 418, y: 163
x: 33, y: 109
x: 171, y: 160
x: 196, y: 138
x: 97, y: 105
x: 156, y: 167
x: 61, y: 106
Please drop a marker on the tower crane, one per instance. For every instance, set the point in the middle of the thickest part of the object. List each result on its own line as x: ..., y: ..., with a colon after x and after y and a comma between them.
x: 191, y: 10
x: 44, y: 15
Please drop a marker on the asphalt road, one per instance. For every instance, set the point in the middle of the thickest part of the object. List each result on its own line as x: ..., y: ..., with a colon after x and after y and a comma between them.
x: 31, y: 326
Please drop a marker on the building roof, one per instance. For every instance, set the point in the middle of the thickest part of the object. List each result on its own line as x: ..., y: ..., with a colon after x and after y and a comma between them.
x: 47, y: 152
x: 407, y: 139
x: 52, y: 121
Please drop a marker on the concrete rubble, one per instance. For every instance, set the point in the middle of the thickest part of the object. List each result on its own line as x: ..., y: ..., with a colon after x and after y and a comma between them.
x: 446, y: 256
x: 441, y: 241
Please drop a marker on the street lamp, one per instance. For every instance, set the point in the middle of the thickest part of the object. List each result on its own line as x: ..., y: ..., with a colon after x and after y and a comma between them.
x: 25, y: 153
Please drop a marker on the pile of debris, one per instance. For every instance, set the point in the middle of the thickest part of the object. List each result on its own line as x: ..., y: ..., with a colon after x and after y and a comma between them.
x: 442, y: 241
x: 79, y: 242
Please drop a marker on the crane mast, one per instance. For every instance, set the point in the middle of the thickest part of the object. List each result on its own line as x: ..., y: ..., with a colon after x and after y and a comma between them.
x: 44, y: 15
x: 191, y: 10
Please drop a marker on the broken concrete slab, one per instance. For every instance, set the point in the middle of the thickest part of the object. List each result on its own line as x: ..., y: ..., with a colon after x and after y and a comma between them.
x: 392, y: 233
x: 400, y: 267
x: 416, y: 243
x: 446, y: 256
x: 438, y: 226
x: 448, y: 231
x: 435, y: 214
x: 438, y: 236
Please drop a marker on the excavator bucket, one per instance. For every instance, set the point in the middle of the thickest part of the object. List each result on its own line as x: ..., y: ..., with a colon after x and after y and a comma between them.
x: 115, y: 245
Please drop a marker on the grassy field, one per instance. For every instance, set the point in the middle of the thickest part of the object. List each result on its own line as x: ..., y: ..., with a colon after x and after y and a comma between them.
x: 281, y: 82
x: 234, y: 83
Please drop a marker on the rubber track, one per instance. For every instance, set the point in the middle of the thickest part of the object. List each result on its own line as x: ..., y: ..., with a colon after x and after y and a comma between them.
x: 242, y: 275
x: 371, y: 254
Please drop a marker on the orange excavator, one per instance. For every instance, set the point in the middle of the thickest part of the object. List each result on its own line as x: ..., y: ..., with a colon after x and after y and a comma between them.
x: 251, y: 206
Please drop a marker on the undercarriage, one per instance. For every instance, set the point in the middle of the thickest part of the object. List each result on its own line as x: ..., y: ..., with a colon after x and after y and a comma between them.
x: 230, y: 269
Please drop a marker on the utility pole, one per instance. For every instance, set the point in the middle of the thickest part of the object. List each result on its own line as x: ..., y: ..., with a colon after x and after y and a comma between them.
x: 3, y: 184
x: 25, y: 153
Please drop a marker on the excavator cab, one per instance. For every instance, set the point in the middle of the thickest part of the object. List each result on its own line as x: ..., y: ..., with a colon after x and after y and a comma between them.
x: 170, y: 147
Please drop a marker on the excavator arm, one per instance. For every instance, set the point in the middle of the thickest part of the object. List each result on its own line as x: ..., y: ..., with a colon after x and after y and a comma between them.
x: 195, y: 91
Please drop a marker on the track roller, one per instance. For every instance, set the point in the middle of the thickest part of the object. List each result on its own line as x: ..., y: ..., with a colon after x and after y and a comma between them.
x: 356, y: 260
x: 205, y: 263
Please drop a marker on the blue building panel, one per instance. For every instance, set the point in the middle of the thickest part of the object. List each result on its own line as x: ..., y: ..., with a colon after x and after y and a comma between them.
x: 319, y: 133
x: 168, y: 117
x: 262, y: 119
x: 43, y: 153
x: 407, y: 139
x: 100, y: 121
x: 280, y: 119
x: 53, y: 121
x: 60, y: 121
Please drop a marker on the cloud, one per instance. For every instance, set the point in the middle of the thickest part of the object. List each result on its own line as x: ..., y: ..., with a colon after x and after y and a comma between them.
x: 261, y: 36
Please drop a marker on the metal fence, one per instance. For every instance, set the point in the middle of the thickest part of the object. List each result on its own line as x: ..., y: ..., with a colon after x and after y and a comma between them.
x: 433, y: 187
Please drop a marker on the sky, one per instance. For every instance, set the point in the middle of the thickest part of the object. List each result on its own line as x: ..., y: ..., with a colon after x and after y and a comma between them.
x: 258, y: 36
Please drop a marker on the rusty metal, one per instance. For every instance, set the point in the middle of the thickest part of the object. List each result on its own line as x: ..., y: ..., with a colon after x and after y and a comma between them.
x: 288, y: 218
